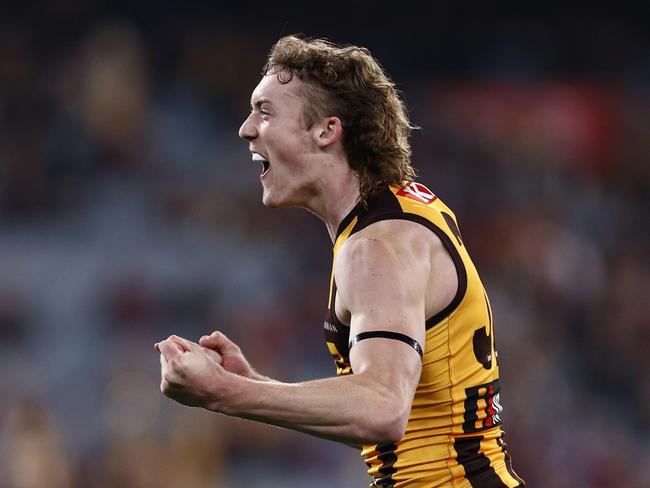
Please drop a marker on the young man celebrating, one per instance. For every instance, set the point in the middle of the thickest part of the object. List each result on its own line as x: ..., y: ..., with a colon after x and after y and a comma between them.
x: 409, y: 324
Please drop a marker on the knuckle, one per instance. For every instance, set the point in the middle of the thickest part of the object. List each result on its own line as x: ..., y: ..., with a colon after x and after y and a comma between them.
x: 175, y: 364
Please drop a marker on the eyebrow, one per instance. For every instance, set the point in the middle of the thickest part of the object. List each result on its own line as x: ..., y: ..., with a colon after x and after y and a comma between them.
x: 258, y: 104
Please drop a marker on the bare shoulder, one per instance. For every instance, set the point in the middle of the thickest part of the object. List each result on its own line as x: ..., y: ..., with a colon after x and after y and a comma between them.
x: 401, y: 241
x: 396, y: 259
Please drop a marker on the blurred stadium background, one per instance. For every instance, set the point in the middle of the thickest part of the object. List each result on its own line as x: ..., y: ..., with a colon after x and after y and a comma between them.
x: 130, y: 210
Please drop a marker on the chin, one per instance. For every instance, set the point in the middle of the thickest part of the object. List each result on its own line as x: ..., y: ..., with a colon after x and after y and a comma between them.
x: 274, y: 204
x: 273, y: 201
x: 270, y: 202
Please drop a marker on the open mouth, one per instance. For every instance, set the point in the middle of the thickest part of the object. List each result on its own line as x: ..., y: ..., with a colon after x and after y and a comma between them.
x: 265, y: 163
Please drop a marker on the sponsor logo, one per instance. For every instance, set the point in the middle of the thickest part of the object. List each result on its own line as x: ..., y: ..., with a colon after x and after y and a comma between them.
x: 495, y: 409
x: 482, y: 407
x: 418, y: 192
x: 330, y: 327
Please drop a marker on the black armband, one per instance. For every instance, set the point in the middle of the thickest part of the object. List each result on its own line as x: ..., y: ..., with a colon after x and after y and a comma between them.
x: 386, y: 335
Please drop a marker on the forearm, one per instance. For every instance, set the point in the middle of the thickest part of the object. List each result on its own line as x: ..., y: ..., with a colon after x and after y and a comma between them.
x: 255, y: 376
x: 349, y: 409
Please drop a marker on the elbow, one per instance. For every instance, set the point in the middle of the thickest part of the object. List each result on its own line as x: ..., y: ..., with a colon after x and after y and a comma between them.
x: 389, y: 434
x: 386, y: 423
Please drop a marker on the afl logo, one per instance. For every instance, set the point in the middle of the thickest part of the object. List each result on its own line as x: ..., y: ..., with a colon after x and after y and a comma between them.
x: 419, y: 192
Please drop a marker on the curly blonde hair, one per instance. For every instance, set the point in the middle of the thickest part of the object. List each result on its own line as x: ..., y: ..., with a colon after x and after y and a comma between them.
x: 347, y: 82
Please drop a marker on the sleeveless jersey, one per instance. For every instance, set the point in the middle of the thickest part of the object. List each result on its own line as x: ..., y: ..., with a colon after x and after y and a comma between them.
x: 453, y: 436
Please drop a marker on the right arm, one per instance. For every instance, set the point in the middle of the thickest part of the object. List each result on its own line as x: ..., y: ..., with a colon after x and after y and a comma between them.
x: 382, y: 282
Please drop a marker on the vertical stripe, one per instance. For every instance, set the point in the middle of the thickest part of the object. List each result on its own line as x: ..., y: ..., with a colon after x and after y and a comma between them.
x: 477, y: 467
x: 387, y: 457
x: 508, y: 461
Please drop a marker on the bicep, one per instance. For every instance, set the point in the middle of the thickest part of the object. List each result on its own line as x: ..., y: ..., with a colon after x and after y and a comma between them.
x: 383, y: 285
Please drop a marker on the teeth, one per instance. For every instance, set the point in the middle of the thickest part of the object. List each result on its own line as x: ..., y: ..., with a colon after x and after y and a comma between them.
x: 260, y: 159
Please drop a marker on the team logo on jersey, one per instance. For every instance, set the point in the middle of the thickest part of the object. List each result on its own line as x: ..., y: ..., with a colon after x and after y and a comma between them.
x: 482, y: 345
x: 418, y: 192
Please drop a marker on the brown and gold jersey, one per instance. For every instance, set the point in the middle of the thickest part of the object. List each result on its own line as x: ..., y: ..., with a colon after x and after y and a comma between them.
x: 453, y: 436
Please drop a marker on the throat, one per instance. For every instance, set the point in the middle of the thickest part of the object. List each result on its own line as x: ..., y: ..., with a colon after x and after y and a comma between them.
x: 341, y: 217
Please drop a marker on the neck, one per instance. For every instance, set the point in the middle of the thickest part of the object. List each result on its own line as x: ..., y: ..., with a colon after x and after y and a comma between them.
x: 335, y: 201
x: 339, y: 208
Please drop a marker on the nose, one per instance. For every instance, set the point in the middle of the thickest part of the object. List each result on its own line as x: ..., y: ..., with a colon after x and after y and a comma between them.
x: 248, y: 131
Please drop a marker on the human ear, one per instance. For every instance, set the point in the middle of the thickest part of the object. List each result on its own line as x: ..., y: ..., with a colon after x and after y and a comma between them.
x: 329, y: 131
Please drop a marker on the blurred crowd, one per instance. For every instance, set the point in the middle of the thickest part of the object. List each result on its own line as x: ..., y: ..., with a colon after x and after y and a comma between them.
x: 130, y: 210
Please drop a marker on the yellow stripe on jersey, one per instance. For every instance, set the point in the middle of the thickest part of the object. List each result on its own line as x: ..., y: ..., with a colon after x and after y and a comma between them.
x: 453, y: 436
